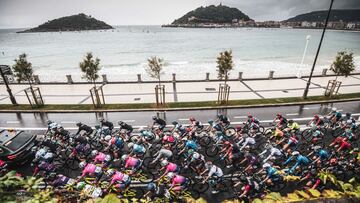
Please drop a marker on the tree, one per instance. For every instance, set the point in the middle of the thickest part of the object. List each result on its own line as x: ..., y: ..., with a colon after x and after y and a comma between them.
x: 343, y: 64
x: 90, y: 67
x: 23, y: 69
x: 225, y: 65
x: 154, y: 68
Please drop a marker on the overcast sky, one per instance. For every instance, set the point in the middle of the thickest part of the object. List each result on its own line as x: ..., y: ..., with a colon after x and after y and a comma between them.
x: 30, y: 13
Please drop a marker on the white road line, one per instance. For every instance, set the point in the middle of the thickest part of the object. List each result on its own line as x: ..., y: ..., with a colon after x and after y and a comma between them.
x: 70, y: 122
x: 183, y: 119
x: 240, y: 116
x: 340, y: 110
x: 13, y: 122
x: 128, y: 121
x: 292, y: 114
x: 307, y: 108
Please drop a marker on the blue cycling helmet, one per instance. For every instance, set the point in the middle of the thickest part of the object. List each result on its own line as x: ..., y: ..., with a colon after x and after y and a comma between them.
x: 151, y: 186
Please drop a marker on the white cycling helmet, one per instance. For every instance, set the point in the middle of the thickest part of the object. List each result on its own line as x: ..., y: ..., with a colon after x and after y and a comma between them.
x: 130, y: 145
x: 164, y: 162
x: 107, y: 158
x: 110, y: 172
x: 196, y: 156
x: 124, y: 157
x: 82, y: 164
x: 266, y: 165
x: 94, y: 152
x: 107, y: 137
x: 170, y: 175
x: 48, y: 156
x: 40, y: 153
x: 295, y: 153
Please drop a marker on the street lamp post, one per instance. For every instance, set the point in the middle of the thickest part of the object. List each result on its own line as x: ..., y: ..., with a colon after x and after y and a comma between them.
x: 317, y: 53
x: 303, y: 58
x: 12, y: 98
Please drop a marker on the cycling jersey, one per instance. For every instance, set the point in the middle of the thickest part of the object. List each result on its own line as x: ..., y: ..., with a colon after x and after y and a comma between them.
x: 108, y: 124
x: 272, y: 172
x: 85, y: 128
x: 62, y: 180
x: 92, y: 170
x: 323, y: 154
x: 293, y: 140
x: 294, y: 126
x: 102, y: 158
x: 171, y: 167
x: 132, y: 163
x: 179, y: 128
x: 201, y: 157
x: 163, y: 153
x: 147, y: 134
x: 138, y: 149
x: 178, y: 181
x: 274, y: 152
x: 119, y: 177
x: 248, y: 141
x: 318, y: 122
x: 127, y: 127
x: 45, y: 166
x: 117, y: 142
x: 342, y: 142
x: 252, y: 159
x: 215, y: 171
x: 191, y: 145
x: 300, y: 161
x: 160, y: 122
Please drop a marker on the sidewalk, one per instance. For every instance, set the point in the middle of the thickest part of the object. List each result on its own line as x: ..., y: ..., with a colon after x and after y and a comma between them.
x: 181, y: 91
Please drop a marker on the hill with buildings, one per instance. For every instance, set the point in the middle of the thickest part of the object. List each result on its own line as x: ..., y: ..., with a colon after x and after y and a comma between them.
x: 345, y: 15
x: 71, y: 23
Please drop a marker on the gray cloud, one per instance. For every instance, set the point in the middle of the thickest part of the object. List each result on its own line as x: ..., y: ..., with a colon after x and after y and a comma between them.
x: 28, y: 13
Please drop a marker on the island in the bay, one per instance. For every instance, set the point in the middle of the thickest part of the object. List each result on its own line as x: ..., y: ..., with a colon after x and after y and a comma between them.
x: 71, y: 23
x: 223, y: 16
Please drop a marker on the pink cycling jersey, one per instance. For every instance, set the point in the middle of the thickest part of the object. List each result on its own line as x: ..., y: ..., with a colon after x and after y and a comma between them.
x: 100, y: 157
x: 90, y: 169
x: 131, y: 162
x: 178, y: 180
x: 118, y: 176
x: 171, y: 167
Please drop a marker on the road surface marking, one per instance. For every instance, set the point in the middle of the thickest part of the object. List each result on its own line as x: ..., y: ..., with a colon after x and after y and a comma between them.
x: 292, y: 114
x: 240, y: 116
x: 183, y: 119
x: 340, y: 110
x: 307, y: 108
x: 13, y: 122
x: 128, y: 121
x: 70, y: 122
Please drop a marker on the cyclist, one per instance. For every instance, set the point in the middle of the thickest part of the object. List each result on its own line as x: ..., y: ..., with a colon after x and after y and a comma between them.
x: 252, y: 160
x: 313, y: 179
x: 197, y: 160
x: 300, y: 161
x: 214, y: 172
x: 106, y: 126
x: 341, y: 143
x: 121, y: 180
x: 132, y: 163
x: 293, y: 140
x: 275, y: 153
x: 252, y: 122
x: 136, y: 149
x: 335, y: 116
x: 164, y: 153
x: 250, y: 186
x: 61, y: 181
x: 101, y: 158
x: 128, y: 128
x: 316, y: 121
x: 82, y: 127
x: 91, y: 170
x: 281, y: 121
x: 159, y: 122
x: 224, y: 120
x: 189, y: 144
x: 272, y: 174
x: 293, y: 127
x: 115, y: 143
x: 177, y: 182
x: 178, y: 128
x: 319, y: 154
x: 168, y: 167
x: 155, y: 191
x: 232, y: 152
x: 47, y: 167
x: 248, y: 142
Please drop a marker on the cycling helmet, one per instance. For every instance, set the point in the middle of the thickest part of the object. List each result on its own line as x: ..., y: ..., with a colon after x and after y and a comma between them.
x: 174, y: 123
x: 334, y: 110
x: 243, y: 179
x: 141, y: 129
x: 107, y: 158
x: 278, y: 114
x: 170, y: 175
x: 80, y: 185
x: 208, y: 164
x: 197, y: 123
x: 192, y: 119
x: 110, y: 172
x: 317, y: 147
x: 151, y: 187
x: 34, y: 149
x: 295, y: 153
x: 154, y: 117
x: 82, y: 164
x: 191, y: 151
x: 79, y: 124
x: 48, y: 156
x: 291, y: 121
x: 107, y: 137
x: 94, y: 152
x: 227, y: 143
x: 266, y: 165
x: 238, y: 128
x: 196, y: 156
x: 124, y: 157
x: 313, y: 171
x: 316, y: 117
x: 210, y: 122
x: 49, y: 122
x: 348, y: 114
x: 164, y: 162
x: 349, y: 122
x: 249, y: 116
x: 113, y: 140
x: 130, y: 145
x: 101, y: 120
x: 120, y: 122
x: 52, y: 175
x: 333, y: 161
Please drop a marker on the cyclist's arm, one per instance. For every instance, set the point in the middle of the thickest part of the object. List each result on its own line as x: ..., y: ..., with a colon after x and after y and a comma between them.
x: 288, y: 160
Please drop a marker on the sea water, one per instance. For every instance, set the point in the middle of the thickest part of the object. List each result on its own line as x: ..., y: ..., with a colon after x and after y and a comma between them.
x: 189, y: 53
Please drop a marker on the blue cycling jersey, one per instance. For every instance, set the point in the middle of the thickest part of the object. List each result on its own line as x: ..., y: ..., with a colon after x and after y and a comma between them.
x: 191, y: 145
x: 138, y: 148
x: 272, y: 172
x: 118, y: 142
x: 323, y: 154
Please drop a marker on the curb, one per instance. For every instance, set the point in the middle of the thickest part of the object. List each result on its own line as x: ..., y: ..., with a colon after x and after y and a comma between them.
x: 184, y: 108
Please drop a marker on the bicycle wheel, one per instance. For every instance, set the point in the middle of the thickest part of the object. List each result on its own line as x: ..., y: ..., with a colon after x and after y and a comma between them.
x: 200, y: 187
x: 261, y: 129
x: 204, y: 141
x: 230, y: 131
x: 306, y: 135
x: 146, y: 177
x: 268, y: 132
x: 278, y: 186
x: 212, y: 151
